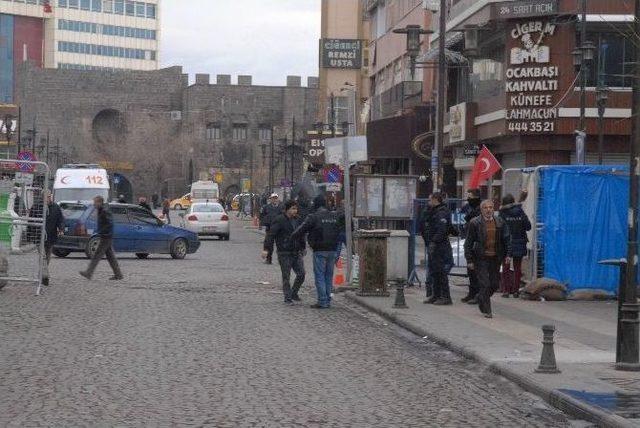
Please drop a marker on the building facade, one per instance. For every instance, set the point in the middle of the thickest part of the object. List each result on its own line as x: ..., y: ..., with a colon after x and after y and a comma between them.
x: 159, y: 133
x: 520, y: 93
x: 343, y: 62
x: 77, y: 34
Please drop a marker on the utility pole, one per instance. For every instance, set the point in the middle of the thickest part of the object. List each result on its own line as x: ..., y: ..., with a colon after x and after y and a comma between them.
x: 333, y: 116
x: 271, y: 163
x: 581, y: 139
x: 628, y: 332
x: 19, y: 129
x: 293, y: 150
x: 47, y: 152
x: 436, y: 154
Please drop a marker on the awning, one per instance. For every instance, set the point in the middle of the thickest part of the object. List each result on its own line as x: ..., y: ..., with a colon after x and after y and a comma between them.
x: 451, y: 55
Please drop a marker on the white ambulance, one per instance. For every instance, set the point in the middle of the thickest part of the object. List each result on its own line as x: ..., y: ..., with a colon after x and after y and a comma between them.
x: 80, y: 183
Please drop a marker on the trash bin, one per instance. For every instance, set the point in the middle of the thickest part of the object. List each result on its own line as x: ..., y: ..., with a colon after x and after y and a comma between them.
x: 372, y: 252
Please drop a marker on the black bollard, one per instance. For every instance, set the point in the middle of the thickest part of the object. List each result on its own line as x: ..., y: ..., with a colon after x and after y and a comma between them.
x: 548, y: 358
x: 400, y: 301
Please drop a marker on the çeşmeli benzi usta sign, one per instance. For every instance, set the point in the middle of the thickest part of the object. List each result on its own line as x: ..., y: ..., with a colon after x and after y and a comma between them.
x: 341, y: 53
x: 530, y: 80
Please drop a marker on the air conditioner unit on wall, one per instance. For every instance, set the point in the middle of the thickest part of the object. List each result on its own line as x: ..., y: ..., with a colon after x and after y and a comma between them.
x: 176, y: 115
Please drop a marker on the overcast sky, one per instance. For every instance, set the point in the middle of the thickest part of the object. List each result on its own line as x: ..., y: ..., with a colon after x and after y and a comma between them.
x: 267, y: 39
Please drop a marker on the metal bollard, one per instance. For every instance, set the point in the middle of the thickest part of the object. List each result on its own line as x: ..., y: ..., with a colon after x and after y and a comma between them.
x: 400, y: 300
x: 548, y: 358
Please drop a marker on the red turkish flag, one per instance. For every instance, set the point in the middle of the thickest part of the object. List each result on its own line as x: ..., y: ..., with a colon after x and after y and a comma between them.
x: 485, y: 167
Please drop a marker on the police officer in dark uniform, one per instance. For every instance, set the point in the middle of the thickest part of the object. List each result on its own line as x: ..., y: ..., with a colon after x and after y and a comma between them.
x: 439, y: 249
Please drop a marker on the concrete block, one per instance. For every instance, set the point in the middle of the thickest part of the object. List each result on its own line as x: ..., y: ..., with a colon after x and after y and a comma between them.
x: 398, y: 255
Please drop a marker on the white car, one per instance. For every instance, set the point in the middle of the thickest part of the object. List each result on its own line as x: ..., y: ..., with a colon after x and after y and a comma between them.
x: 207, y: 219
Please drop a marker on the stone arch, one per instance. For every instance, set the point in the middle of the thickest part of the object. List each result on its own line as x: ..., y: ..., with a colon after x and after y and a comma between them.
x: 231, y: 191
x: 108, y: 128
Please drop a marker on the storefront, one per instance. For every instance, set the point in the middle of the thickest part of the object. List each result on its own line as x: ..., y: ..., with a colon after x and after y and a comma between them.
x: 523, y: 90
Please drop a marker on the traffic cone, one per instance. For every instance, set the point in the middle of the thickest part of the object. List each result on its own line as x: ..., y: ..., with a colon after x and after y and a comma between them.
x: 338, y: 275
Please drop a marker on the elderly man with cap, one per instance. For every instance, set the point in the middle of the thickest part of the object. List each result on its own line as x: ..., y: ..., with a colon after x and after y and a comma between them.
x: 268, y: 214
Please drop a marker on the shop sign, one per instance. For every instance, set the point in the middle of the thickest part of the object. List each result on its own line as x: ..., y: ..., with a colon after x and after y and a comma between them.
x: 315, y: 151
x: 531, y: 79
x: 341, y: 53
x: 471, y: 150
x: 525, y: 9
x: 458, y: 123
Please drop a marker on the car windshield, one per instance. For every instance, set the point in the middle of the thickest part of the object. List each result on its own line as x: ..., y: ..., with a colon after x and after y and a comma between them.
x: 79, y: 194
x: 207, y: 208
x: 205, y: 194
x: 72, y: 211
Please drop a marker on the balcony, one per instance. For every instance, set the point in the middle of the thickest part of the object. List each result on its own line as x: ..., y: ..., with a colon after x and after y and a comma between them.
x: 402, y: 96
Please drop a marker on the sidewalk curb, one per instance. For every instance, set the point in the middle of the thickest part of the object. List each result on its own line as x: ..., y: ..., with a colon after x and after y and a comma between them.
x: 557, y: 399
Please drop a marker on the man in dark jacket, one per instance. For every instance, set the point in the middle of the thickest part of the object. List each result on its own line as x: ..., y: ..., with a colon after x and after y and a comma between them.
x: 518, y: 223
x: 142, y: 202
x: 290, y: 250
x: 471, y: 210
x: 54, y: 226
x: 323, y: 227
x: 105, y: 247
x: 488, y: 244
x: 439, y: 249
x: 268, y: 214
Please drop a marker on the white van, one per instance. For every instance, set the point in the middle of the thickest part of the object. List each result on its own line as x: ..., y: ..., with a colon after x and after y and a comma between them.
x: 81, y: 183
x: 203, y: 191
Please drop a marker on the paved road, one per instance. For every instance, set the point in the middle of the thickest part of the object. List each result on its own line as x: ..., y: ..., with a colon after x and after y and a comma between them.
x: 200, y: 343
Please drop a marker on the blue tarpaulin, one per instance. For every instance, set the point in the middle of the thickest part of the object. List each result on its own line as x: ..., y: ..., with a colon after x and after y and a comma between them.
x: 583, y: 210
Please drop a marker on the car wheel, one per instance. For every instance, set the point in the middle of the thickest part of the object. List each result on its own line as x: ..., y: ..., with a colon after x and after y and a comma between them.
x: 58, y: 252
x: 179, y: 249
x: 92, y: 247
x: 142, y: 256
x: 177, y: 207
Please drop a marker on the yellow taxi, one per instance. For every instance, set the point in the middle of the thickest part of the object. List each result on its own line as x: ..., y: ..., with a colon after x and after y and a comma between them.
x: 181, y: 203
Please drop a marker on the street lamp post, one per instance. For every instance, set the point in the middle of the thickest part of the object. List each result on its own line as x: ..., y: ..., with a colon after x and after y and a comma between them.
x: 629, y: 325
x: 601, y: 99
x: 413, y: 33
x: 582, y: 58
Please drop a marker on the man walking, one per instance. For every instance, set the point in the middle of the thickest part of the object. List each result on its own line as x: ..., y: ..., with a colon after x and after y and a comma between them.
x: 471, y: 210
x: 324, y: 232
x: 268, y: 214
x: 105, y: 232
x: 290, y: 250
x: 487, y: 246
x: 54, y: 226
x: 439, y: 250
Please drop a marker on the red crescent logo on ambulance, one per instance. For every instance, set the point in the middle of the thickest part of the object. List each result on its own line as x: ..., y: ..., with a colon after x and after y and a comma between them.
x: 62, y: 180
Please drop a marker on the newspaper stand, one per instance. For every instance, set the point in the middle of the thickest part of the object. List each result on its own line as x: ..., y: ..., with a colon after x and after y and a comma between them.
x: 23, y: 189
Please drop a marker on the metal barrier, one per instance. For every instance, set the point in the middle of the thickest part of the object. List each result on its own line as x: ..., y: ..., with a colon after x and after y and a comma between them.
x: 23, y: 189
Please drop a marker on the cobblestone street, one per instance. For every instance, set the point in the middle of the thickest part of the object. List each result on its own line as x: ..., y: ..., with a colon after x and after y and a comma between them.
x: 204, y: 342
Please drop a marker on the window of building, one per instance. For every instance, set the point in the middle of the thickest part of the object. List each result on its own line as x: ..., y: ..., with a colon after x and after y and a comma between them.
x: 73, y: 4
x: 613, y: 60
x: 62, y: 3
x: 340, y: 110
x: 96, y: 5
x: 264, y: 133
x: 151, y: 11
x: 213, y: 131
x: 239, y: 131
x: 130, y: 8
x: 140, y: 9
x: 107, y: 6
x: 85, y: 4
x: 118, y: 7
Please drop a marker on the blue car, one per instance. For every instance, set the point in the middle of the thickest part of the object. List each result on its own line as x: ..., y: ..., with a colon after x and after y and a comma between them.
x: 136, y: 230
